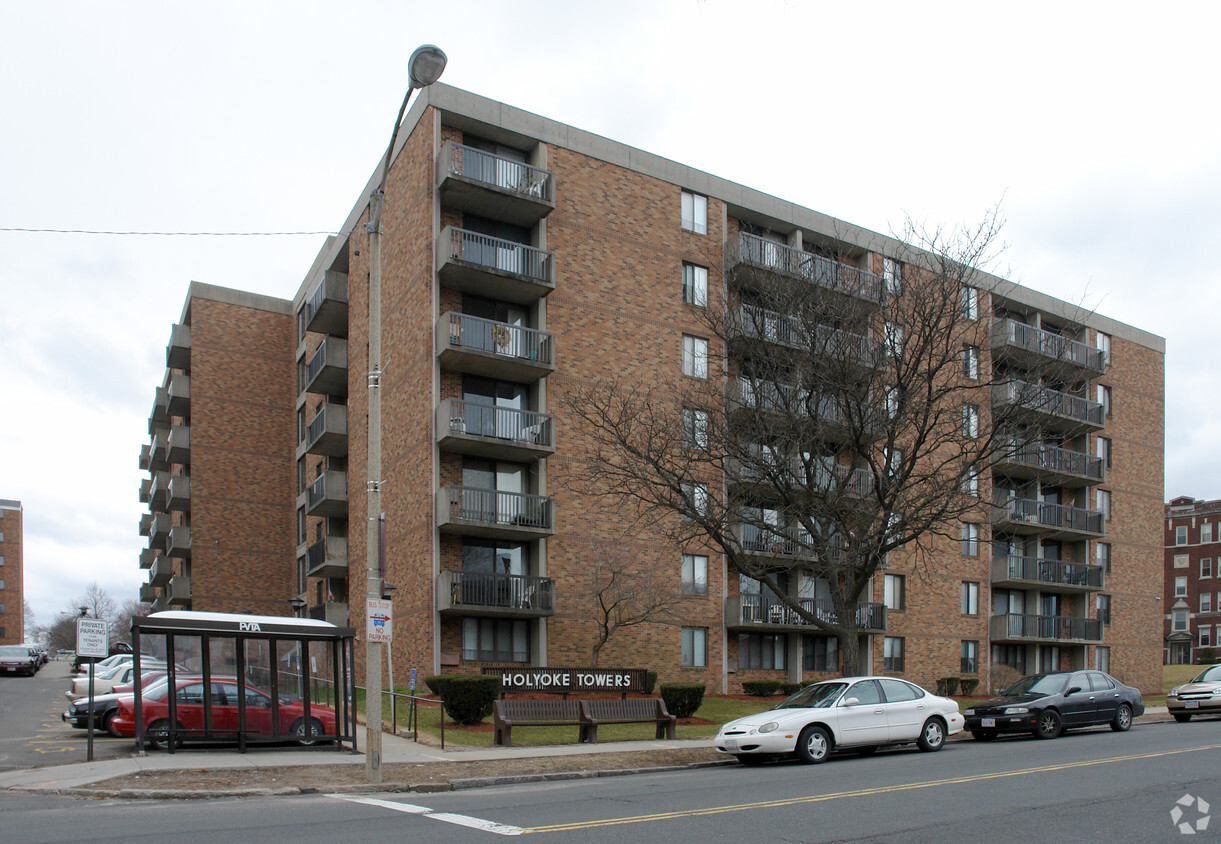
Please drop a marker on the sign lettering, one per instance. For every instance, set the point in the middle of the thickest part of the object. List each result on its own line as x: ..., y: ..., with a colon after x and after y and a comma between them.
x: 566, y: 680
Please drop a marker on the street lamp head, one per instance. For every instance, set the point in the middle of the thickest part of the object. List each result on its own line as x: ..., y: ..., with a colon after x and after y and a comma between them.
x: 426, y: 65
x: 297, y: 602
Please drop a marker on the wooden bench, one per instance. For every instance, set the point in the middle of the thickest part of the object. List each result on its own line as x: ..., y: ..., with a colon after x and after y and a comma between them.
x: 507, y: 714
x: 626, y: 711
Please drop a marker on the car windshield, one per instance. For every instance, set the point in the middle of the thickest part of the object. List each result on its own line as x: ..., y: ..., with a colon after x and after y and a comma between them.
x: 1037, y: 684
x: 817, y: 695
x: 1209, y: 675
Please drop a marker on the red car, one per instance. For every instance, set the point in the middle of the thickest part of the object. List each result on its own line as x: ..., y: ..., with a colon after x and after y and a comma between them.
x: 189, y: 709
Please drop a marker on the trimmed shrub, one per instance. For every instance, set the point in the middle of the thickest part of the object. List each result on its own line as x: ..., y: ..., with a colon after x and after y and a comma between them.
x: 761, y: 688
x: 682, y: 699
x: 1206, y: 656
x: 650, y: 682
x: 947, y: 686
x: 967, y: 685
x: 787, y: 689
x: 467, y: 697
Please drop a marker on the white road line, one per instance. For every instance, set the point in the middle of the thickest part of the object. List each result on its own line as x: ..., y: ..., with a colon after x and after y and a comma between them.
x: 460, y: 820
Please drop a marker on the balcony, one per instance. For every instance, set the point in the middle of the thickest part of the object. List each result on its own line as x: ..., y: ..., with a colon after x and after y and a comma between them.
x: 493, y: 267
x: 179, y: 593
x: 765, y: 471
x: 485, y: 594
x: 146, y: 490
x: 494, y: 349
x: 1045, y: 628
x: 332, y: 612
x: 179, y: 497
x: 1026, y: 345
x: 766, y: 613
x: 1050, y: 409
x: 328, y: 557
x: 146, y: 524
x: 327, y: 433
x: 147, y: 557
x: 178, y: 352
x: 493, y: 186
x: 148, y: 593
x: 474, y: 511
x: 1052, y: 464
x: 179, y: 542
x: 327, y: 371
x: 1055, y: 521
x: 178, y: 395
x: 326, y: 309
x: 159, y: 492
x: 161, y: 408
x: 178, y: 445
x: 485, y: 430
x: 749, y: 322
x: 146, y: 456
x: 328, y: 495
x: 157, y: 461
x: 159, y: 529
x: 1047, y: 575
x: 161, y: 572
x: 784, y: 402
x: 747, y: 253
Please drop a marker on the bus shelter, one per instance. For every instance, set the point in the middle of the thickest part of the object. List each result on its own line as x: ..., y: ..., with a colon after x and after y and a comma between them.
x: 244, y: 679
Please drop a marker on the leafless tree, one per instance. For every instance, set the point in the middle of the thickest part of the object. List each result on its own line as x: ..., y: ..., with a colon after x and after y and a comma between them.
x: 845, y: 414
x: 121, y: 627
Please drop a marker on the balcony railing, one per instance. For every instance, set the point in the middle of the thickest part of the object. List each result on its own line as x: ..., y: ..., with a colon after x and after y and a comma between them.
x: 1046, y: 344
x: 178, y: 395
x: 1051, y: 628
x: 768, y: 610
x: 1054, y: 459
x: 327, y: 370
x: 758, y: 252
x: 499, y: 171
x: 328, y: 495
x: 1051, y: 573
x: 495, y: 349
x: 180, y: 590
x: 494, y: 186
x: 328, y: 557
x: 470, y: 427
x: 493, y: 506
x: 179, y: 542
x: 326, y: 310
x: 179, y: 497
x: 761, y: 324
x: 1052, y: 403
x: 327, y: 432
x: 178, y: 352
x: 474, y: 262
x: 487, y: 590
x: 178, y: 445
x: 1027, y: 511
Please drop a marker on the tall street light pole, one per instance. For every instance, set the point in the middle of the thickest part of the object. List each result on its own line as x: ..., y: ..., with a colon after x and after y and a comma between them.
x: 424, y: 68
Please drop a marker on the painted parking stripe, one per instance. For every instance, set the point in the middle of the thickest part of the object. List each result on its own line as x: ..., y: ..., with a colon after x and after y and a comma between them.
x: 411, y: 809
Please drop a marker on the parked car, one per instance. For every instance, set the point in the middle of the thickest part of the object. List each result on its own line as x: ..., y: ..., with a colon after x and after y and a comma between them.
x: 89, y: 664
x: 224, y: 693
x: 861, y: 713
x: 105, y: 680
x: 107, y: 705
x: 1048, y: 704
x: 1200, y: 696
x: 40, y: 651
x: 18, y: 659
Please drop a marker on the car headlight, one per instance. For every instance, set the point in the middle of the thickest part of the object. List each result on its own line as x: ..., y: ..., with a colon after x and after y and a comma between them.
x: 1016, y: 710
x: 969, y: 712
x: 769, y: 727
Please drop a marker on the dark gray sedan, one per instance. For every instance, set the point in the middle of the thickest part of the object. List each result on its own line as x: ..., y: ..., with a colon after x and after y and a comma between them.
x: 1047, y: 704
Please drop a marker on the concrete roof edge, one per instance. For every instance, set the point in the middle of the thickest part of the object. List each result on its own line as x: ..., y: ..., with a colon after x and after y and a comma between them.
x: 246, y: 299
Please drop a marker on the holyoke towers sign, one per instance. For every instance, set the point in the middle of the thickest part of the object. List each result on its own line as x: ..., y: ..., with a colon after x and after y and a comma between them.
x: 567, y: 680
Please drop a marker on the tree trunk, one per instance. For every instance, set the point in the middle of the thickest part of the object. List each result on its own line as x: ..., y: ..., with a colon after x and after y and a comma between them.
x: 851, y: 658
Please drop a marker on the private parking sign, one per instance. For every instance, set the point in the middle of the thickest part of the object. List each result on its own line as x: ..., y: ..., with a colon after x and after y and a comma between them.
x: 92, y: 637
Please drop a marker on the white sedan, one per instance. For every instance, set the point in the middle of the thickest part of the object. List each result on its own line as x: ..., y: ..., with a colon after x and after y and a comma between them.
x: 863, y: 713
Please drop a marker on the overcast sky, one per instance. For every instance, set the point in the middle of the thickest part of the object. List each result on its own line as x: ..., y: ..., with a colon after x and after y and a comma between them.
x: 1096, y: 124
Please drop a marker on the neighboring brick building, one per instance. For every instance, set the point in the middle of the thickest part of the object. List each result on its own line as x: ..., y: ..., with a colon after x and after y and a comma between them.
x: 12, y: 589
x: 1192, y: 581
x: 524, y: 259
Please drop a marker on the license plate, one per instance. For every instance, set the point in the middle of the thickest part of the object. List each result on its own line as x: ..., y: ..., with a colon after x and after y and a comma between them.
x: 1192, y: 704
x: 987, y: 722
x: 731, y: 744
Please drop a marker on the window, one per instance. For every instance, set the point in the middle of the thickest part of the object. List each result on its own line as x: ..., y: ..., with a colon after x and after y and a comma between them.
x: 1104, y: 451
x: 892, y: 653
x: 695, y: 574
x: 892, y: 335
x: 1103, y: 344
x: 1180, y: 587
x: 695, y: 356
x: 969, y: 657
x: 892, y: 402
x: 1206, y: 637
x: 1179, y: 623
x: 1181, y: 561
x: 970, y: 361
x: 1104, y: 398
x: 970, y: 421
x: 894, y: 461
x: 1103, y: 604
x: 1102, y: 556
x: 1180, y: 535
x: 760, y: 651
x: 970, y: 539
x: 695, y: 428
x: 1206, y: 602
x: 695, y: 213
x: 895, y: 591
x: 892, y: 275
x: 696, y: 497
x: 1206, y: 532
x: 1103, y: 497
x: 695, y: 285
x: 495, y: 640
x: 302, y: 567
x: 820, y: 653
x: 970, y: 481
x: 1206, y: 567
x: 970, y: 598
x: 970, y: 303
x: 1102, y: 658
x: 695, y: 647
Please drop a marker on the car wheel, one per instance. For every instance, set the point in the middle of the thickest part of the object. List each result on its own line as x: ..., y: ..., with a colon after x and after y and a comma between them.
x: 1049, y: 725
x: 932, y: 735
x: 983, y: 735
x: 159, y: 735
x: 108, y: 723
x: 814, y: 745
x: 1123, y: 719
x: 298, y: 730
x: 1182, y: 716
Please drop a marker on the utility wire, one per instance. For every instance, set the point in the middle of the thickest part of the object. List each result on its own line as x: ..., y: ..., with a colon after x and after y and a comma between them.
x: 163, y: 234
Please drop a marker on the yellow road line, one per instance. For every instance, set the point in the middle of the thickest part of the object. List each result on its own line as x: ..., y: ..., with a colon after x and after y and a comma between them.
x: 864, y: 792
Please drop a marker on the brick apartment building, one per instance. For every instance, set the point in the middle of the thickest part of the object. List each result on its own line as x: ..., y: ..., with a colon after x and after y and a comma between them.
x: 12, y: 594
x: 1192, y: 587
x: 524, y: 259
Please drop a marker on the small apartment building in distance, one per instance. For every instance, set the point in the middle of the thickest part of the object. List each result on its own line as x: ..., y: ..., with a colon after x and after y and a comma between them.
x: 12, y: 590
x: 1192, y: 582
x: 523, y: 260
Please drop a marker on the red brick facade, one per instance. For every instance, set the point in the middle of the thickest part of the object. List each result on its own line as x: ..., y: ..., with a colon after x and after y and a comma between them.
x: 12, y: 590
x: 1192, y: 618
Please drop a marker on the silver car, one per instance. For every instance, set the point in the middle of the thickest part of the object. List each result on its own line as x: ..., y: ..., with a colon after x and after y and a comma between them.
x: 1201, y: 696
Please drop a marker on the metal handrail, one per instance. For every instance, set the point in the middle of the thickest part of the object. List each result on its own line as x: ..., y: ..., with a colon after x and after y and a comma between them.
x: 498, y: 507
x: 506, y: 423
x: 1053, y: 515
x: 495, y: 253
x: 815, y: 269
x: 1047, y: 400
x: 1050, y: 344
x: 1055, y: 458
x: 500, y: 338
x: 491, y: 589
x: 502, y: 172
x: 1042, y: 570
